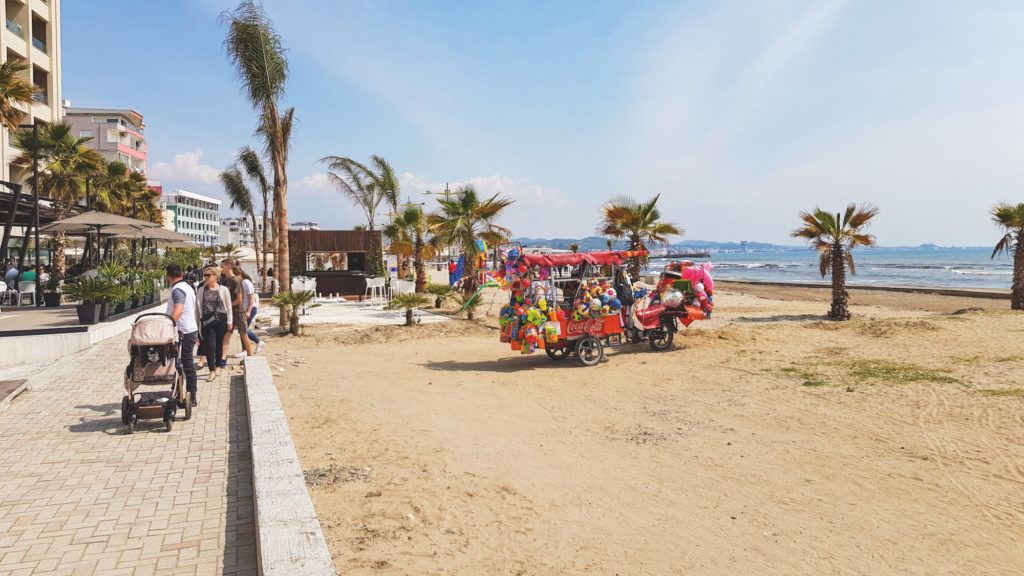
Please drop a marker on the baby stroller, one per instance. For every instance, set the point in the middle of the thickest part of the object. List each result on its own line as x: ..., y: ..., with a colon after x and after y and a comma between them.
x: 155, y: 361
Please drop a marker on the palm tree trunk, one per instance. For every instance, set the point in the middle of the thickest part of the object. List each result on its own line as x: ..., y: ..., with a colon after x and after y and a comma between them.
x: 255, y: 238
x: 59, y: 261
x: 278, y: 152
x: 1017, y: 293
x: 840, y: 297
x: 421, y: 271
x: 408, y: 316
x: 263, y: 271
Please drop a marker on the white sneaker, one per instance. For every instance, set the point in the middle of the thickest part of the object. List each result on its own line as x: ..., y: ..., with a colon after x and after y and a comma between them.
x: 260, y: 346
x: 240, y: 354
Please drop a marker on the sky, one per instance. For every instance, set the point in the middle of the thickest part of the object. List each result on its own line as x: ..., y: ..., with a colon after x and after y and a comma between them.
x: 739, y: 114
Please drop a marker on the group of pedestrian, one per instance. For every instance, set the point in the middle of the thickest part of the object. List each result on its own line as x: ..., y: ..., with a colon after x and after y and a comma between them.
x: 225, y: 303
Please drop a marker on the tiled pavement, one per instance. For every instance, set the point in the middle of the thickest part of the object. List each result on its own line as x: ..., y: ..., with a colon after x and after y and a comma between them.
x: 78, y: 496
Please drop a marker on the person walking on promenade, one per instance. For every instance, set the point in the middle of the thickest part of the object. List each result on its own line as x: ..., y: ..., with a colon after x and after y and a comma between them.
x: 250, y: 306
x: 215, y: 316
x: 234, y: 286
x: 182, y: 309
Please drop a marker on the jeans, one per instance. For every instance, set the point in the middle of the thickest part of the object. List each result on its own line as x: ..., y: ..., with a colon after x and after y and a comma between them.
x: 188, y: 365
x: 213, y: 342
x: 252, y: 336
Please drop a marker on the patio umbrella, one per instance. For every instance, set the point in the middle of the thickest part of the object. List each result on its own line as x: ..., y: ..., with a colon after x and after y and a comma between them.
x: 159, y: 234
x: 94, y: 220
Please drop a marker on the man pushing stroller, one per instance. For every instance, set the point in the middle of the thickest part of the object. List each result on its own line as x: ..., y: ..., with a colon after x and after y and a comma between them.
x: 182, y: 308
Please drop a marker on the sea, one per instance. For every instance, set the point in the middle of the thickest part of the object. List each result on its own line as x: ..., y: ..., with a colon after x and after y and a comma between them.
x: 939, y: 267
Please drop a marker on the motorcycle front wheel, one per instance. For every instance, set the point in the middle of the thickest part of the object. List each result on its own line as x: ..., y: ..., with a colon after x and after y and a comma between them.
x: 661, y: 339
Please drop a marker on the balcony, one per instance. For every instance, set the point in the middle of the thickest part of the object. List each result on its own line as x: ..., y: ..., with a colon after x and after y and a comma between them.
x: 18, y: 30
x: 39, y: 44
x: 42, y: 97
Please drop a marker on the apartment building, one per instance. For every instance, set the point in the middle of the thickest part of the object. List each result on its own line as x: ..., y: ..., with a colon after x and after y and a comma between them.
x: 117, y: 134
x: 238, y: 231
x: 32, y: 33
x: 193, y: 214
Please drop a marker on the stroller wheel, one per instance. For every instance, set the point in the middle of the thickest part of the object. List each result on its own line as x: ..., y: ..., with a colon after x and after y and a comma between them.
x: 168, y: 423
x: 126, y: 409
x: 188, y: 405
x: 131, y: 427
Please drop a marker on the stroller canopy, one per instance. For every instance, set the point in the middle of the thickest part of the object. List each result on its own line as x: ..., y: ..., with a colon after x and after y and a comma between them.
x: 153, y: 330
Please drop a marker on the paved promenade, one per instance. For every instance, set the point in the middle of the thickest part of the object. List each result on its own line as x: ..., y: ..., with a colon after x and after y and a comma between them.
x: 77, y: 496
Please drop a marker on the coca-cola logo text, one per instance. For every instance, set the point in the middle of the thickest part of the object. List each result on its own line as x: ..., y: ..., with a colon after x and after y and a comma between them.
x: 579, y: 327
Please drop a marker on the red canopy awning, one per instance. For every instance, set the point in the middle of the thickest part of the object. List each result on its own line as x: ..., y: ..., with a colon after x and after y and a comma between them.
x: 599, y: 258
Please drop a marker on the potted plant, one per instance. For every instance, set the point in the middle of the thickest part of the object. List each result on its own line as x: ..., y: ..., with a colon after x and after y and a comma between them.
x: 51, y: 293
x: 119, y: 296
x: 91, y: 294
x: 441, y: 293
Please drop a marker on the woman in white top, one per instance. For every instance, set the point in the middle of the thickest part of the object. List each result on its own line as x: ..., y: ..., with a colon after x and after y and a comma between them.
x: 250, y: 306
x: 215, y: 317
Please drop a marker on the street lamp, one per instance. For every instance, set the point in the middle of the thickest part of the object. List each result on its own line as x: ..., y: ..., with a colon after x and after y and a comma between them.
x: 446, y: 192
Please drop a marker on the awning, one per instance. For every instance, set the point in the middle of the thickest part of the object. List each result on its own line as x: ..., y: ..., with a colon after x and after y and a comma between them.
x: 605, y: 258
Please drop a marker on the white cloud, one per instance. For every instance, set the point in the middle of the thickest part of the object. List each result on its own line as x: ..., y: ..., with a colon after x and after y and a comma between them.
x: 186, y: 168
x: 316, y: 182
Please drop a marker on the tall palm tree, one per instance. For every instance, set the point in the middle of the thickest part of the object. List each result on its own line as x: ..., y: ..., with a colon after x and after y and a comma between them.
x: 638, y: 222
x: 65, y: 163
x: 463, y: 221
x: 240, y: 197
x: 1010, y: 218
x: 834, y: 237
x: 407, y: 233
x: 15, y: 88
x: 257, y: 53
x: 252, y: 165
x: 366, y: 186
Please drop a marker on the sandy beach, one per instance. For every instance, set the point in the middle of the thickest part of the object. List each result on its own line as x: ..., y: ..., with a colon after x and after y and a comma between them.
x: 767, y: 441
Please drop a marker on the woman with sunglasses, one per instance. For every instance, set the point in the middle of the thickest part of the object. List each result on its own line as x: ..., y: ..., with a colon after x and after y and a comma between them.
x: 215, y: 317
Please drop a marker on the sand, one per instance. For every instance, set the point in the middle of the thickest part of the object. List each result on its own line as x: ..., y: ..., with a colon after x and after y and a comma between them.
x: 767, y: 441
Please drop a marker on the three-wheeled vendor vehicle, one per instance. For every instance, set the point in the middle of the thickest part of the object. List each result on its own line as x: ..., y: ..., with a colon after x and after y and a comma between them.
x: 576, y: 304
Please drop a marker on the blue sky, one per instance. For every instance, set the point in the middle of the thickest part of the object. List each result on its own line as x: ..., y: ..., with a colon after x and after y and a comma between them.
x: 740, y: 114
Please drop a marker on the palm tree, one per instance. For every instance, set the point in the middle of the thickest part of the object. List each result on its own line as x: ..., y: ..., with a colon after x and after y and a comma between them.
x: 407, y: 233
x: 241, y: 198
x: 574, y: 247
x: 367, y: 188
x: 638, y: 222
x: 255, y: 49
x: 66, y: 161
x: 407, y: 302
x: 464, y: 221
x: 834, y: 237
x: 252, y: 165
x: 1010, y: 218
x: 15, y: 88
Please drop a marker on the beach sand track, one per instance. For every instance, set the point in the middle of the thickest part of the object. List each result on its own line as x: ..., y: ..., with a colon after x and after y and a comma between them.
x: 707, y: 459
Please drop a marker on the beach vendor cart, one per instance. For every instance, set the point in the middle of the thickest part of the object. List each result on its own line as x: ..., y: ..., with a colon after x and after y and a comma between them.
x: 576, y: 304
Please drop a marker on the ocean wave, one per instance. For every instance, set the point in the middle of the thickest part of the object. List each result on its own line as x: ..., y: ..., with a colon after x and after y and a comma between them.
x: 983, y: 272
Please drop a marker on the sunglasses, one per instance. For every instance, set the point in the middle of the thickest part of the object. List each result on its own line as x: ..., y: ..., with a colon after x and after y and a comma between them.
x: 208, y: 275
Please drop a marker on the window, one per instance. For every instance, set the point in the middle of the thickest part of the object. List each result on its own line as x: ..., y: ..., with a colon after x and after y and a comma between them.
x: 85, y: 133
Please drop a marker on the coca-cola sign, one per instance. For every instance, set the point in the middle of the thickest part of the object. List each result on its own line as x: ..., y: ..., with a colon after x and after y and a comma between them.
x: 576, y: 328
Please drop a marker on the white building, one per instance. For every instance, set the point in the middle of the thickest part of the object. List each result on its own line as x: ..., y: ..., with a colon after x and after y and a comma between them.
x: 238, y: 231
x: 304, y: 226
x: 193, y: 214
x: 32, y: 35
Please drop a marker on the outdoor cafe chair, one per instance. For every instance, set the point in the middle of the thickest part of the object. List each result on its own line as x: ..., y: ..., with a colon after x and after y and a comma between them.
x: 6, y: 294
x: 377, y: 291
x: 26, y: 288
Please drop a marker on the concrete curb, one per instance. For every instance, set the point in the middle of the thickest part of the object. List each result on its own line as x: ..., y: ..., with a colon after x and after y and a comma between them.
x: 289, y: 540
x: 5, y: 403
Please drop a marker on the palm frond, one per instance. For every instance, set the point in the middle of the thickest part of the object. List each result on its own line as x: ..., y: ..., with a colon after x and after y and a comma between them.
x: 257, y: 53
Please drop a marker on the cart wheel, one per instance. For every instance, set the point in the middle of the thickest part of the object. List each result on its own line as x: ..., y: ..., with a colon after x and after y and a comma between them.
x: 589, y: 350
x: 168, y: 423
x: 188, y: 405
x: 131, y: 427
x: 558, y: 353
x: 661, y: 339
x: 126, y: 408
